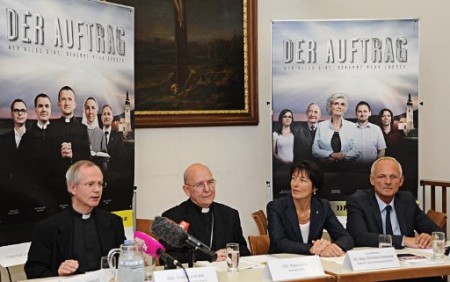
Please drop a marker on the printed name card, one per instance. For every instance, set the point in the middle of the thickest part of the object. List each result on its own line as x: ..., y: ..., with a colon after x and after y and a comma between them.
x: 295, y: 268
x: 371, y: 259
x: 198, y: 274
x: 94, y: 276
x: 14, y: 254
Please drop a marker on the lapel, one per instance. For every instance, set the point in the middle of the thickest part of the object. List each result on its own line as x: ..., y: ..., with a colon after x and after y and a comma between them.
x: 291, y: 216
x: 315, y: 219
x: 376, y: 211
x: 400, y: 211
x: 193, y: 219
x: 64, y: 237
x: 104, y: 231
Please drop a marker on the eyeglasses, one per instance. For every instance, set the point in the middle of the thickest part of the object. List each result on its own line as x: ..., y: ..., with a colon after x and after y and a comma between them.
x: 93, y: 184
x: 287, y: 116
x: 21, y: 111
x: 202, y: 184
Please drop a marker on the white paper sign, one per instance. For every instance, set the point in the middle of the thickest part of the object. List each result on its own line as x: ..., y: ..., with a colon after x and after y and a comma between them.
x: 199, y: 274
x: 14, y: 254
x: 94, y: 276
x: 370, y: 259
x: 295, y: 268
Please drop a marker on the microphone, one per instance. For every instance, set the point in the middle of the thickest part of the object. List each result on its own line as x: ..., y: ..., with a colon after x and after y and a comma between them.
x: 170, y: 232
x: 152, y: 247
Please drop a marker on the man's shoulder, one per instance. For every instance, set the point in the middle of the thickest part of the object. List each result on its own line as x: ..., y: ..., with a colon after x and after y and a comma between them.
x: 224, y: 207
x: 175, y: 210
x: 360, y: 194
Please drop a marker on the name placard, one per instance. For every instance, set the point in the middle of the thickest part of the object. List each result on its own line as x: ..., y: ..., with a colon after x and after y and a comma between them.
x: 14, y: 254
x: 371, y: 259
x: 94, y: 276
x: 198, y: 274
x: 295, y: 268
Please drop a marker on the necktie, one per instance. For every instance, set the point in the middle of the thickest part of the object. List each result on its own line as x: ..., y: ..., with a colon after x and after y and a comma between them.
x: 388, y: 220
x: 106, y: 136
x: 312, y: 131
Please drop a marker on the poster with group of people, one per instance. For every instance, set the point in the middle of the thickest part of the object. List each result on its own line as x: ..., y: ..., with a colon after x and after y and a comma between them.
x: 67, y: 94
x: 345, y: 92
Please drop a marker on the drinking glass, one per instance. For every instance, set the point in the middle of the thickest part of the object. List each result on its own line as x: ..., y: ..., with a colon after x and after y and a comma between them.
x: 384, y: 241
x: 438, y: 245
x: 232, y: 250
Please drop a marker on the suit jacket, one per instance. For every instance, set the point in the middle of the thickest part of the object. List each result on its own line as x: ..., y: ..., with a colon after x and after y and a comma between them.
x: 284, y: 229
x: 227, y: 228
x: 302, y: 143
x: 53, y: 243
x: 9, y: 158
x: 116, y: 151
x: 364, y: 218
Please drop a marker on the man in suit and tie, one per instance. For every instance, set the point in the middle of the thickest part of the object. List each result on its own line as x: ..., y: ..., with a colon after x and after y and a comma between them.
x: 212, y: 223
x: 114, y: 140
x: 304, y: 134
x: 386, y: 210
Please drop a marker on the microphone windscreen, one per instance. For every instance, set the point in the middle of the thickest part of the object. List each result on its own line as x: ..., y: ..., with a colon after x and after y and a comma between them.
x: 151, y: 246
x: 169, y: 231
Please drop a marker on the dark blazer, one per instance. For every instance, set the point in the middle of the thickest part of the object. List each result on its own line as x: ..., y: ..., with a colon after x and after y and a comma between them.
x: 227, y: 229
x: 284, y: 229
x: 116, y: 151
x: 53, y: 243
x: 364, y: 218
x: 9, y: 158
x: 302, y: 143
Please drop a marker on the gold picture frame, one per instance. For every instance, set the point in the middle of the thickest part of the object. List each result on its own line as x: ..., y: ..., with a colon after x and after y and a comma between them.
x: 214, y: 93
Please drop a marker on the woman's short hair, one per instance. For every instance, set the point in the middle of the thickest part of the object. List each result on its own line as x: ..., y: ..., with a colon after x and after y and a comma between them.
x: 312, y: 170
x: 333, y: 98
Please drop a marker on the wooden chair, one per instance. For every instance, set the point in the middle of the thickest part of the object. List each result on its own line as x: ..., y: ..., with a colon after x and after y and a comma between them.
x: 145, y: 225
x: 259, y: 244
x: 261, y: 221
x: 439, y: 218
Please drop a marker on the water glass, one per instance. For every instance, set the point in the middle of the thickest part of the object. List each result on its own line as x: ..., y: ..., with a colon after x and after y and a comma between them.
x: 104, y: 265
x: 232, y: 250
x: 384, y: 241
x: 438, y: 245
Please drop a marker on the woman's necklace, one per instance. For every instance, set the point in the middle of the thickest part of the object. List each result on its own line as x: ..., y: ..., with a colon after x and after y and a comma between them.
x: 303, y: 216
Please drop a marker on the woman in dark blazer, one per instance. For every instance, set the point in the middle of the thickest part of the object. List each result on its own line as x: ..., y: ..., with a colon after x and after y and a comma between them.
x: 297, y: 221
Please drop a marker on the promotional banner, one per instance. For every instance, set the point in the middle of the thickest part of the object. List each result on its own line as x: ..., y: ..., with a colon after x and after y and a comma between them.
x: 49, y: 50
x: 345, y: 92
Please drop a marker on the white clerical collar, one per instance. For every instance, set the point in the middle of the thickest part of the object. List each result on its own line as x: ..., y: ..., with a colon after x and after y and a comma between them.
x: 43, y: 126
x: 205, y: 210
x: 86, y: 216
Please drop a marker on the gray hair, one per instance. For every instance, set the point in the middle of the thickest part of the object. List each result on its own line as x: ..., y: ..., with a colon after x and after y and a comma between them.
x: 333, y: 98
x: 73, y: 173
x: 372, y: 169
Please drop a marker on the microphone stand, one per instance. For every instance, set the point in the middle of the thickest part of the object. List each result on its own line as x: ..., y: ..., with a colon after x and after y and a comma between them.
x: 191, y: 256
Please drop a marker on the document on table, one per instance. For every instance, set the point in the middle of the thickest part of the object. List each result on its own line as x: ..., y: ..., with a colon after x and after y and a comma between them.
x: 244, y: 262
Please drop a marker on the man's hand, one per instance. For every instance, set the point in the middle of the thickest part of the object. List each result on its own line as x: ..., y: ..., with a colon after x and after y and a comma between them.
x: 66, y: 150
x: 68, y: 267
x: 221, y: 255
x: 422, y: 241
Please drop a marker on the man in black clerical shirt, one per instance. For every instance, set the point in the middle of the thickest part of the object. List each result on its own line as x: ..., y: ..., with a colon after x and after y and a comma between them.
x: 212, y: 223
x: 69, y: 137
x: 74, y: 240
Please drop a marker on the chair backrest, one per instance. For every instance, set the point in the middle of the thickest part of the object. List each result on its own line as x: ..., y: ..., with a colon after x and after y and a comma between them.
x: 259, y: 244
x: 261, y: 221
x: 145, y: 225
x: 439, y: 218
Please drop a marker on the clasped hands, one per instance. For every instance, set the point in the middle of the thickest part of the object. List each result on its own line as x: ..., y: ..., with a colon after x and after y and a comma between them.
x: 421, y: 241
x: 325, y: 248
